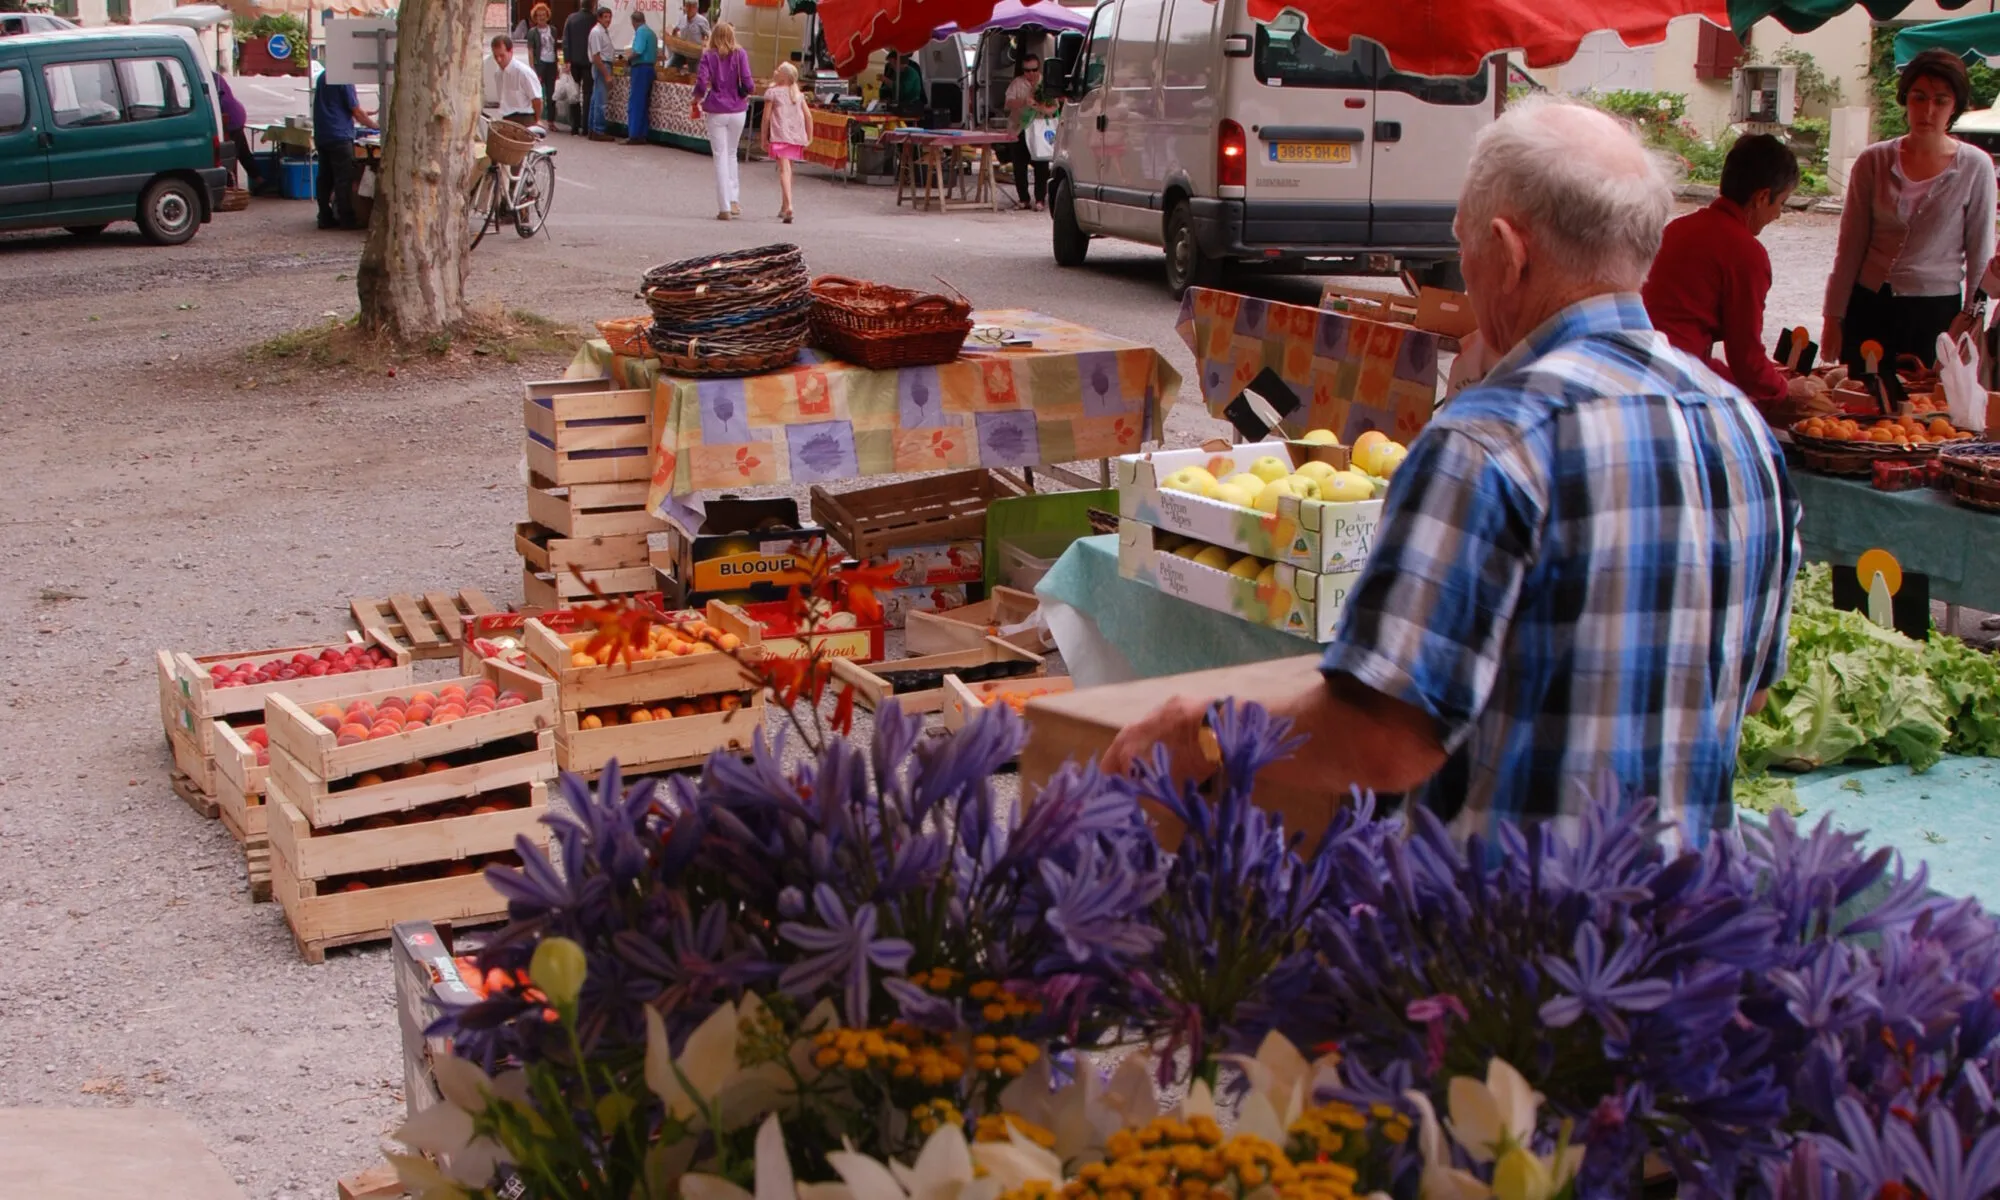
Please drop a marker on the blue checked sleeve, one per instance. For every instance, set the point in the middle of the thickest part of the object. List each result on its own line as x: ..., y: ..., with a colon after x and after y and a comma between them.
x: 1427, y: 623
x: 1778, y: 661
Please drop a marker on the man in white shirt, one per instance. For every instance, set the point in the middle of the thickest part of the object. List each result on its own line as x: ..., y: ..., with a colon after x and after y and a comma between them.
x: 601, y: 51
x: 694, y: 28
x: 519, y: 88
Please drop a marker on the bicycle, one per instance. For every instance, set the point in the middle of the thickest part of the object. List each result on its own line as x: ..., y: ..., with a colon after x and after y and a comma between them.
x: 502, y: 193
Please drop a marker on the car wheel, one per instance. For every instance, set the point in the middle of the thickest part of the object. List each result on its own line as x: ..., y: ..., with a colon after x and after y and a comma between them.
x: 88, y: 231
x: 1072, y: 243
x: 169, y: 212
x: 1187, y: 266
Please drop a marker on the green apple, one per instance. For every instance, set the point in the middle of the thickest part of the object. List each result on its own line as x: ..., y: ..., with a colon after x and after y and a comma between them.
x: 1246, y: 567
x: 1277, y: 489
x: 1305, y: 487
x: 1270, y: 467
x: 1346, y: 486
x: 1316, y: 471
x: 1320, y: 437
x: 1190, y: 479
x: 1214, y: 556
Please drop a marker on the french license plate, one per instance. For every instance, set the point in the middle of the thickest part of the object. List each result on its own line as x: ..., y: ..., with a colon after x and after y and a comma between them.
x: 1312, y: 152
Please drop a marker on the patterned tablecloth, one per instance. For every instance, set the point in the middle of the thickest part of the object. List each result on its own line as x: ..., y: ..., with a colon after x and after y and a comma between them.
x: 1348, y: 375
x: 1075, y: 394
x: 671, y: 117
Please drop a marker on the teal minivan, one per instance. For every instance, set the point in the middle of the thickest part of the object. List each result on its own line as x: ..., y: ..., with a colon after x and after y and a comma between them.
x: 103, y: 125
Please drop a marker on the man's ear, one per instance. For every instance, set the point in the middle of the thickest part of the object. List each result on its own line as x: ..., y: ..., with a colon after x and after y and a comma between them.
x: 1515, y: 249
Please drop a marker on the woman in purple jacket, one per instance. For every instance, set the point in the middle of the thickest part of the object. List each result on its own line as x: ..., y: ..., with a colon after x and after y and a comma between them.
x: 234, y: 123
x: 722, y: 87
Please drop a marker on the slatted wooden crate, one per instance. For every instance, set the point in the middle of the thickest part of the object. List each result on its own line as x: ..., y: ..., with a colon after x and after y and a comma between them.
x: 563, y: 588
x: 657, y: 744
x: 582, y: 510
x: 873, y: 685
x: 429, y: 625
x: 963, y: 700
x: 331, y: 784
x: 936, y: 508
x: 341, y: 888
x: 239, y: 795
x: 585, y: 431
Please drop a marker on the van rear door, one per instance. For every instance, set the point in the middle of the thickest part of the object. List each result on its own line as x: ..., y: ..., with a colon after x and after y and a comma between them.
x: 1424, y: 129
x: 1309, y: 127
x: 24, y: 161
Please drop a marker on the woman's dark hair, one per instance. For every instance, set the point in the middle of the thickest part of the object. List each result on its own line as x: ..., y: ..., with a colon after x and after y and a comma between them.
x: 1758, y: 162
x: 1028, y: 60
x: 1944, y: 67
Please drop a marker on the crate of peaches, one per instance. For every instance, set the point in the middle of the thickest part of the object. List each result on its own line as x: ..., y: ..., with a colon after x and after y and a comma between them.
x: 655, y: 691
x: 1914, y: 434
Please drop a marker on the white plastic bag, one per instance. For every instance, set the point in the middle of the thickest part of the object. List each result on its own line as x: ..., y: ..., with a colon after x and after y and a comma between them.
x: 566, y: 91
x: 1958, y: 374
x: 1042, y: 138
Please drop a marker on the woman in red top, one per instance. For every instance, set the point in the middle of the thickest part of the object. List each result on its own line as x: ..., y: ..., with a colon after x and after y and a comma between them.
x: 1711, y: 276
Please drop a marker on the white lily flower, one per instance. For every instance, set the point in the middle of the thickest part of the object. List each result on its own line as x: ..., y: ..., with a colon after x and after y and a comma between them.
x: 943, y: 1171
x: 707, y: 1071
x: 445, y: 1130
x: 422, y: 1179
x: 1018, y: 1161
x: 1441, y: 1180
x: 1285, y: 1078
x: 774, y: 1172
x: 1080, y: 1113
x: 1131, y: 1094
x: 1488, y: 1118
x: 1200, y: 1101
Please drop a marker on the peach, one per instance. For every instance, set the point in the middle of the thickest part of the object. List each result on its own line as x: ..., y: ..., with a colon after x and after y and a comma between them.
x: 435, y: 767
x: 424, y: 698
x: 394, y: 702
x: 332, y: 723
x: 590, y: 721
x: 354, y: 886
x: 450, y: 690
x: 686, y: 708
x: 367, y: 779
x: 511, y: 702
x: 352, y: 729
x: 411, y: 770
x: 662, y: 713
x: 350, y: 739
x: 639, y: 714
x: 418, y: 712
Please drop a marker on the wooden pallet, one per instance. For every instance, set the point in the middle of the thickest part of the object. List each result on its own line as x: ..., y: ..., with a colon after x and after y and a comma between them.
x: 376, y: 1183
x: 200, y: 801
x: 427, y: 626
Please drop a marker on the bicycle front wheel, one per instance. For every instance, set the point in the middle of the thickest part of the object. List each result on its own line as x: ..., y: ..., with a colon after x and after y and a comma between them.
x: 479, y: 204
x: 537, y: 191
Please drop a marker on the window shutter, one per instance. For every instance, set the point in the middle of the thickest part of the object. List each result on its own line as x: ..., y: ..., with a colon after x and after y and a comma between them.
x: 1716, y: 52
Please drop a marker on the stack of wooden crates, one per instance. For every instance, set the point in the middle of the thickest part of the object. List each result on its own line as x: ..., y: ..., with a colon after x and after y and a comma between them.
x: 400, y: 827
x: 590, y: 453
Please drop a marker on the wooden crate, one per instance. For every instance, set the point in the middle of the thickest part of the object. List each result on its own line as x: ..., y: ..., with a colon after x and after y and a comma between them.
x: 871, y: 689
x: 317, y: 772
x: 583, y: 431
x: 239, y: 795
x: 935, y: 508
x: 191, y: 774
x: 201, y: 702
x: 429, y: 625
x: 550, y: 553
x: 375, y: 1183
x: 656, y: 745
x: 645, y: 682
x: 962, y: 700
x: 582, y: 510
x: 563, y: 588
x: 963, y: 627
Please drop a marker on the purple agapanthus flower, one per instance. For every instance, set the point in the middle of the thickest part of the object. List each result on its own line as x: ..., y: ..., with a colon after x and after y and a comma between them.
x: 842, y: 947
x: 1603, y: 988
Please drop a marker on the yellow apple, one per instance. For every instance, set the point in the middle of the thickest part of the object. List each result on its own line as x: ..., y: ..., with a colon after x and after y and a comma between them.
x: 1189, y: 479
x: 1371, y: 457
x: 1390, y: 458
x: 1347, y: 486
x: 1214, y: 556
x: 1187, y: 550
x: 1316, y: 471
x: 1373, y: 437
x: 1246, y: 567
x: 1267, y: 500
x: 1244, y: 479
x: 1270, y: 467
x: 1305, y: 487
x: 1320, y: 437
x: 1237, y: 494
x: 1268, y: 577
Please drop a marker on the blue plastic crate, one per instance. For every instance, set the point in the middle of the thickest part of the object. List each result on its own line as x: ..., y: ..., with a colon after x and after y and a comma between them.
x: 296, y: 179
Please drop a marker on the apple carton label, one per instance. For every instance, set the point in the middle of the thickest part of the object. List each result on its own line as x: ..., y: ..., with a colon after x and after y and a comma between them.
x: 1175, y: 581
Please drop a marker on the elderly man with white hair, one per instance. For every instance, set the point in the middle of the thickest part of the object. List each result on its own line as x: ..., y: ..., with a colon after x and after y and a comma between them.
x: 1581, y: 579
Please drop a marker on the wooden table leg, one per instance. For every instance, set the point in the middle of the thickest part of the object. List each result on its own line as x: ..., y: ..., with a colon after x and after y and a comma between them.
x: 987, y: 180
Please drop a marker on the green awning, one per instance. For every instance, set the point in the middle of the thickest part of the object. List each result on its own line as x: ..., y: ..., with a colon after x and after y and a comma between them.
x: 1964, y: 36
x: 1801, y: 15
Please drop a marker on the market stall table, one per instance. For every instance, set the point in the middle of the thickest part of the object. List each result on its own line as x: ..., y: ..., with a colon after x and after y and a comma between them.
x: 670, y: 120
x: 1330, y: 370
x: 1928, y: 532
x: 933, y: 163
x: 1072, y: 395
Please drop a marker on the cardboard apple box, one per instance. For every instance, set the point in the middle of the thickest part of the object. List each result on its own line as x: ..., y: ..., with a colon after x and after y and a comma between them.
x: 1321, y: 536
x: 1302, y: 603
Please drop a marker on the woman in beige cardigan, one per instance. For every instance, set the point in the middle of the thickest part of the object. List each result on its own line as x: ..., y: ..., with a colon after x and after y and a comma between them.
x: 1916, y: 231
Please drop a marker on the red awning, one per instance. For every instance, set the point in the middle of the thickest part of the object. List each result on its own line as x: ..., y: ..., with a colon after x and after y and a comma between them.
x: 1425, y: 37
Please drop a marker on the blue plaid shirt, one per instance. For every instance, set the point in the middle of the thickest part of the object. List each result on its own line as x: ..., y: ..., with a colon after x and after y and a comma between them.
x: 1583, y: 574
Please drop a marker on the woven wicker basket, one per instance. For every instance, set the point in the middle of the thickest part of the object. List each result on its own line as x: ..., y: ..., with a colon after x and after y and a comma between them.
x: 729, y: 314
x: 1971, y: 472
x: 627, y: 336
x: 508, y: 143
x: 234, y: 199
x: 880, y: 327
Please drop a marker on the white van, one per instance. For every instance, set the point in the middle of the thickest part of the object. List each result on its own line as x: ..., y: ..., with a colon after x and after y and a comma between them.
x: 1228, y: 140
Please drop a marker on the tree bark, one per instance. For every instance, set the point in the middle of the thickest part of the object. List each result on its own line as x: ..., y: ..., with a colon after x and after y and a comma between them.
x: 412, y: 276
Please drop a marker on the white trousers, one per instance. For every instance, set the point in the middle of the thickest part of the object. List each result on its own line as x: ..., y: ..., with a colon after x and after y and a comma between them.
x: 725, y: 130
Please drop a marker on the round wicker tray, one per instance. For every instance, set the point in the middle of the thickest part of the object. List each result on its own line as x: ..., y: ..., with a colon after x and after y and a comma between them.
x: 1971, y: 473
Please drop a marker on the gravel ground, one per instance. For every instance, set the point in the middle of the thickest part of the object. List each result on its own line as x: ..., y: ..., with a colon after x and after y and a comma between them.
x: 171, y: 492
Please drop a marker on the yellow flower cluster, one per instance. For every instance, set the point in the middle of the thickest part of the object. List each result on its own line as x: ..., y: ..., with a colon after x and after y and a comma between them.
x: 1008, y: 1055
x: 858, y: 1049
x: 905, y: 1051
x: 1336, y: 1129
x: 994, y: 1126
x: 1171, y: 1159
x: 997, y: 1004
x: 933, y: 1115
x: 938, y: 979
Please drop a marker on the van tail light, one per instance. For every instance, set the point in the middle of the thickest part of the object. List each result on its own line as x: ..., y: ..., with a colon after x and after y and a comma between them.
x: 1232, y: 156
x: 217, y: 143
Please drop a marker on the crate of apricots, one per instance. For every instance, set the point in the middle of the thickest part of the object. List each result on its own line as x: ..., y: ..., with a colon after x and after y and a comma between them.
x: 1914, y: 433
x: 406, y: 793
x: 963, y: 700
x: 658, y: 692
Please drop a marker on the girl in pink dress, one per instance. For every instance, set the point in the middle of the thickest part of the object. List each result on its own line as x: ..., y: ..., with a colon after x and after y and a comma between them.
x: 785, y: 129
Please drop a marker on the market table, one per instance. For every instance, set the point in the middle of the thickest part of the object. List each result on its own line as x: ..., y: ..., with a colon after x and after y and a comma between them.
x: 1074, y: 394
x: 1345, y: 373
x: 1928, y: 532
x: 670, y: 119
x: 926, y: 158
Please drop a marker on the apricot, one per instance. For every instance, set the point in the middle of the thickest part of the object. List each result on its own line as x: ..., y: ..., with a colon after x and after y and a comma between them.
x: 1942, y: 428
x: 662, y: 713
x: 707, y: 704
x: 639, y: 714
x: 590, y: 721
x: 729, y: 642
x: 686, y: 708
x: 411, y: 770
x: 731, y: 702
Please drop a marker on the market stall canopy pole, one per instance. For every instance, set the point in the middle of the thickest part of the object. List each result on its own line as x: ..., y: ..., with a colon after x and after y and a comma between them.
x: 1801, y: 15
x: 1967, y: 37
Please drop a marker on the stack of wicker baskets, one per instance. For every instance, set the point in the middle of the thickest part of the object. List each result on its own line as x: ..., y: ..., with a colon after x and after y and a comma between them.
x: 730, y: 314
